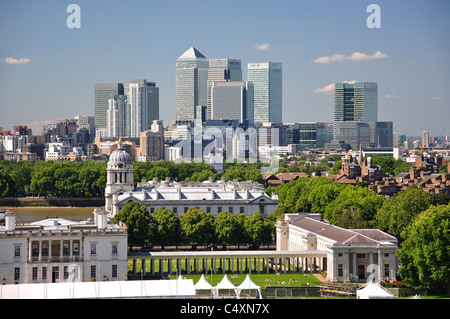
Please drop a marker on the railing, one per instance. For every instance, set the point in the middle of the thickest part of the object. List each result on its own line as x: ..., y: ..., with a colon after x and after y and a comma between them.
x: 55, y: 259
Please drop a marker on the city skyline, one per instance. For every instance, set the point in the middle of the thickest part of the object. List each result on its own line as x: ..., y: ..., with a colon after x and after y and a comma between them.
x: 48, y: 71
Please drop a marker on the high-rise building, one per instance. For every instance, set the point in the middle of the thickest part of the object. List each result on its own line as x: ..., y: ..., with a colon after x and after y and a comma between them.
x: 355, y: 102
x: 191, y: 84
x: 136, y: 92
x: 151, y: 147
x: 232, y: 101
x: 267, y: 81
x: 103, y: 92
x: 425, y: 139
x: 116, y: 116
x: 222, y: 70
x: 381, y: 134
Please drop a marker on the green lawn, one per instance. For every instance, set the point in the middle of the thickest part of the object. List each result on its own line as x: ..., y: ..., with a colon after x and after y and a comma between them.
x: 262, y: 280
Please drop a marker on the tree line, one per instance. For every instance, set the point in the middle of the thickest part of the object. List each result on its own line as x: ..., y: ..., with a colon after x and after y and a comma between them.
x: 88, y: 178
x: 419, y: 220
x: 195, y: 227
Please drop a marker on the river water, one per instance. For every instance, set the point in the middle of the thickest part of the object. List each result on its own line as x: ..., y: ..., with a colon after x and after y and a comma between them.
x: 31, y: 214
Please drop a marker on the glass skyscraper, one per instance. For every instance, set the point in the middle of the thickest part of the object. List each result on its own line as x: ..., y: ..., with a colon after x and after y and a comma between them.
x: 103, y: 92
x: 267, y: 82
x: 232, y: 101
x: 222, y: 70
x: 355, y: 102
x: 191, y: 84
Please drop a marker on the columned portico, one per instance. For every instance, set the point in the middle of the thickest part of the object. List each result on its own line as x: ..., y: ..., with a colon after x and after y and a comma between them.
x: 227, y: 261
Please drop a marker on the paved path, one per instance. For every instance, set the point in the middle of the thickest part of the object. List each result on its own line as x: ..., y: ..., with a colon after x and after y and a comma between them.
x: 321, y: 277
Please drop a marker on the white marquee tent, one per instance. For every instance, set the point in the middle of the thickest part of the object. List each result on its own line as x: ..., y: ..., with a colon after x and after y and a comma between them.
x: 249, y: 288
x: 373, y: 290
x: 224, y: 288
x: 180, y: 288
x: 203, y: 287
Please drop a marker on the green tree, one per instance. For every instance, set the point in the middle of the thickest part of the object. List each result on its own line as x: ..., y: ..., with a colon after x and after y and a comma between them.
x: 425, y: 253
x: 138, y: 222
x: 398, y: 212
x: 336, y: 168
x: 165, y: 227
x: 197, y: 227
x: 6, y: 184
x: 259, y: 230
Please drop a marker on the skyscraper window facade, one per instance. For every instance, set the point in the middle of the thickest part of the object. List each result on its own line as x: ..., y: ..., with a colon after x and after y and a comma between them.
x: 267, y: 81
x: 103, y: 92
x: 232, y: 101
x: 355, y: 102
x: 191, y: 84
x: 222, y: 70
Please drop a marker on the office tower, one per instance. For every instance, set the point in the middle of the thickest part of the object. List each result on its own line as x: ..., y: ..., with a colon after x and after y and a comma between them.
x: 355, y: 102
x: 103, y: 92
x: 232, y: 101
x: 222, y: 70
x: 267, y: 82
x: 136, y: 115
x: 357, y: 134
x: 381, y: 134
x: 272, y: 134
x: 425, y: 139
x: 142, y: 106
x: 116, y: 116
x: 191, y: 84
x: 152, y: 103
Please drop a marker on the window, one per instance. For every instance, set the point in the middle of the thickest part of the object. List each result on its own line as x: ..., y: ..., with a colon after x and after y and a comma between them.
x: 44, y: 273
x: 114, y: 249
x: 66, y: 272
x: 340, y: 270
x: 16, y: 273
x: 114, y: 271
x: 185, y: 210
x: 17, y: 251
x: 93, y: 271
x: 175, y: 211
x: 360, y: 255
x: 208, y: 210
x: 230, y: 210
x: 386, y: 254
x: 34, y: 273
x: 219, y: 209
x: 93, y: 249
x: 386, y: 270
x: 241, y: 210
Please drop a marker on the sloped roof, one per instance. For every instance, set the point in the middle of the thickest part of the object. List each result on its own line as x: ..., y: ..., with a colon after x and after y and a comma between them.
x: 341, y: 235
x: 191, y: 54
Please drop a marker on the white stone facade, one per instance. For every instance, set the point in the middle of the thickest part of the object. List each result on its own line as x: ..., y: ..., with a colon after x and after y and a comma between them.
x: 60, y: 250
x: 357, y: 255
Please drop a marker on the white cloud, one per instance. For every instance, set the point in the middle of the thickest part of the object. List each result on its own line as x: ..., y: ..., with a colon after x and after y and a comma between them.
x: 355, y: 57
x: 10, y: 60
x: 261, y: 47
x: 328, y: 89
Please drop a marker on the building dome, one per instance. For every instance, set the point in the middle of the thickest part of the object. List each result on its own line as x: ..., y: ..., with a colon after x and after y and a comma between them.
x: 120, y: 156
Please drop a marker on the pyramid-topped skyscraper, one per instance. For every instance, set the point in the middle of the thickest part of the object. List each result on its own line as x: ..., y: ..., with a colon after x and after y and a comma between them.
x: 191, y: 84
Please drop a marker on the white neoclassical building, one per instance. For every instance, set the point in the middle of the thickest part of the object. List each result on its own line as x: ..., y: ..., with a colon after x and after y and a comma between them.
x: 351, y: 254
x: 60, y: 250
x: 211, y: 196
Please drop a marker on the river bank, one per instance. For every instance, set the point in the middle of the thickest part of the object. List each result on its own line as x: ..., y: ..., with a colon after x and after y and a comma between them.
x: 25, y: 215
x: 51, y: 202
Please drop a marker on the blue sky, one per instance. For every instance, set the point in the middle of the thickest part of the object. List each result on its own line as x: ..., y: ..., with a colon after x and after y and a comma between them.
x: 48, y: 71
